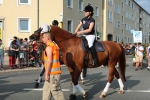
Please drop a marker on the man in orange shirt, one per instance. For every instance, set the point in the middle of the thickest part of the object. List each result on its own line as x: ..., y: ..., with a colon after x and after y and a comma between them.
x: 52, y: 70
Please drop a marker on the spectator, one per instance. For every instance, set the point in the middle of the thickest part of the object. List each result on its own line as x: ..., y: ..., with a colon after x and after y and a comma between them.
x: 139, y: 56
x: 22, y: 49
x: 2, y: 48
x: 26, y: 53
x: 32, y: 56
x: 13, y: 49
x: 148, y: 56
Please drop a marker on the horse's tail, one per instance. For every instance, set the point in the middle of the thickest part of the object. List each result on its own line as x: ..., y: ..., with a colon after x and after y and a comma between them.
x: 122, y: 64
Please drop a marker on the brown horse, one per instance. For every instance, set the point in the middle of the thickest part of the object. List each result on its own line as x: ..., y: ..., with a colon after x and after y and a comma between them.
x: 73, y: 57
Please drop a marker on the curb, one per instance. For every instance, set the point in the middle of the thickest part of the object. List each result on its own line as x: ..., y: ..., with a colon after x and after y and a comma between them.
x: 18, y: 70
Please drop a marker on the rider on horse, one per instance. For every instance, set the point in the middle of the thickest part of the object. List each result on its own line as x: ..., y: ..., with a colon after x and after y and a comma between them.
x: 88, y: 23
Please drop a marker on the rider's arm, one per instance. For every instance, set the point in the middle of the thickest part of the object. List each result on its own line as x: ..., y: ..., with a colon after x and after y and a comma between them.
x: 78, y: 27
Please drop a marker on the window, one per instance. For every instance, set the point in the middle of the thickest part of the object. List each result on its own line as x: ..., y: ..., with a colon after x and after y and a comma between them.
x: 110, y: 2
x: 24, y: 2
x: 110, y: 16
x: 122, y: 19
x: 24, y: 24
x: 126, y: 2
x: 117, y: 39
x: 96, y: 11
x: 132, y: 17
x: 126, y: 14
x: 1, y: 2
x: 70, y: 26
x: 122, y: 6
x: 117, y: 24
x: 126, y: 26
x: 80, y: 5
x: 70, y: 3
x: 118, y: 9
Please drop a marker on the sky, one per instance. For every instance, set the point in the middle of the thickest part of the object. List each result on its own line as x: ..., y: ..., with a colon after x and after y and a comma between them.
x: 145, y: 4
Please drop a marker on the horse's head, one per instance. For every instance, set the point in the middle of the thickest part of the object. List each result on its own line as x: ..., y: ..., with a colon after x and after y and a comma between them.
x: 36, y: 34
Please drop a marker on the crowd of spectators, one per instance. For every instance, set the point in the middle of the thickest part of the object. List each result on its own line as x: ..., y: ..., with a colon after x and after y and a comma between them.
x: 24, y: 51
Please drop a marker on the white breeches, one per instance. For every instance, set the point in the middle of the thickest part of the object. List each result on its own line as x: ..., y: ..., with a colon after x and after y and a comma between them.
x: 90, y: 39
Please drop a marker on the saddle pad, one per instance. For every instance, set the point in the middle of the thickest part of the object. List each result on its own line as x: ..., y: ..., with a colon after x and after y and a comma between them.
x: 97, y: 44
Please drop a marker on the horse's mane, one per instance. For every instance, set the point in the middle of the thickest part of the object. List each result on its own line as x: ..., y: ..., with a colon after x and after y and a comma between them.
x: 64, y: 32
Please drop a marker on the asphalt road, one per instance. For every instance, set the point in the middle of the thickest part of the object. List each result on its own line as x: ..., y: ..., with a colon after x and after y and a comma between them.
x: 13, y: 84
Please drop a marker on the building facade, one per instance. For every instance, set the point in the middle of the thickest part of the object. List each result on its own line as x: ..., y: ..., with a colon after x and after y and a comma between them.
x: 114, y: 19
x: 122, y: 17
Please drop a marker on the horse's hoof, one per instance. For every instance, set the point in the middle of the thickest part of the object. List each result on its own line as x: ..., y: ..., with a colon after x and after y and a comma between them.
x: 102, y: 96
x: 120, y: 91
x: 82, y: 82
x: 72, y: 97
x: 85, y: 95
x: 36, y: 85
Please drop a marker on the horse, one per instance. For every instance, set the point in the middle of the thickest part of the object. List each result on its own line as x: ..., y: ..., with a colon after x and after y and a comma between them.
x: 73, y: 57
x: 41, y: 47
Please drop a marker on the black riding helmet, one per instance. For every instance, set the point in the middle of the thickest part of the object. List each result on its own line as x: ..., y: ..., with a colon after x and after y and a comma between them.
x: 88, y: 8
x: 55, y: 22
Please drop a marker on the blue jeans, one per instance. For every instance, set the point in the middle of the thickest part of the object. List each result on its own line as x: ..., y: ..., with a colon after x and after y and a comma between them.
x: 1, y: 59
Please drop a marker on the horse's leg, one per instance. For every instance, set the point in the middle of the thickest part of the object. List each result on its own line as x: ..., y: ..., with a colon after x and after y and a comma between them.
x: 40, y: 77
x: 121, y: 91
x: 111, y: 67
x: 76, y: 86
x: 82, y: 78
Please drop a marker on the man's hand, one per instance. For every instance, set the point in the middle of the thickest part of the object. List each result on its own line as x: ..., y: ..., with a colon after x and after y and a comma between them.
x: 46, y: 77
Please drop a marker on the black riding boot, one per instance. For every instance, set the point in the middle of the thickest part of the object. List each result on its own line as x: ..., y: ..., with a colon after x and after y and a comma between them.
x: 94, y: 56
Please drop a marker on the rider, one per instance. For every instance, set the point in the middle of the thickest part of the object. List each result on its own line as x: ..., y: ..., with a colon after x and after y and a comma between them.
x: 88, y: 24
x: 55, y: 23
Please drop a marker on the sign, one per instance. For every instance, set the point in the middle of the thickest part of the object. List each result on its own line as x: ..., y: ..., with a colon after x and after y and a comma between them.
x: 137, y: 36
x: 0, y: 30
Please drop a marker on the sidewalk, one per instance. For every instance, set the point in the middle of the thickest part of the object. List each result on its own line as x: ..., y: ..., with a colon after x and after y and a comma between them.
x: 7, y: 69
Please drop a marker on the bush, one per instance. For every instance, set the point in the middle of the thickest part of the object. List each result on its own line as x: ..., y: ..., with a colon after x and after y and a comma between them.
x: 144, y: 52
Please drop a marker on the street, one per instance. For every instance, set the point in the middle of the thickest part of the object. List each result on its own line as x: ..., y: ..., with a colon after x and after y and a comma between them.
x: 19, y: 85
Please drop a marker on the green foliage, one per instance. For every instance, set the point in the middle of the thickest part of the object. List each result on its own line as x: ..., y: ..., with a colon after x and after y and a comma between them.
x: 144, y: 52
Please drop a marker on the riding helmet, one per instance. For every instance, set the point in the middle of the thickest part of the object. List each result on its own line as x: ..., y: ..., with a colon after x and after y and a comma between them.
x: 88, y: 8
x: 55, y: 22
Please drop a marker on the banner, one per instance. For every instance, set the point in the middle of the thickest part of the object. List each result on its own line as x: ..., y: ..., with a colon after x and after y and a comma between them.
x: 0, y: 30
x: 137, y: 36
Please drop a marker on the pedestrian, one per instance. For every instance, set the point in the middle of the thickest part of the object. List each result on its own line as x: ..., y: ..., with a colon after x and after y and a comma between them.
x: 26, y: 53
x: 52, y: 70
x: 22, y: 49
x: 54, y: 23
x: 32, y: 57
x: 12, y: 53
x: 148, y: 56
x: 139, y: 56
x: 88, y: 24
x: 2, y: 48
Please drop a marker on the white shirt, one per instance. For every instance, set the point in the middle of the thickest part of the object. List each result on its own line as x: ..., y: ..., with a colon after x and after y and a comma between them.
x: 139, y: 52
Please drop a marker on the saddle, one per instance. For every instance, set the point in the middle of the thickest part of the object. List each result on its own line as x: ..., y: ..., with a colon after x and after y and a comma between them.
x: 84, y: 44
x: 99, y: 47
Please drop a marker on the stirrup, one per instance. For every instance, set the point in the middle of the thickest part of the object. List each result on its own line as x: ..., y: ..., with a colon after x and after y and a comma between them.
x: 94, y: 64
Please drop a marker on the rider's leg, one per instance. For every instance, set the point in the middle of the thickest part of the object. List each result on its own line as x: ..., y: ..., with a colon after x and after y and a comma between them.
x: 90, y: 39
